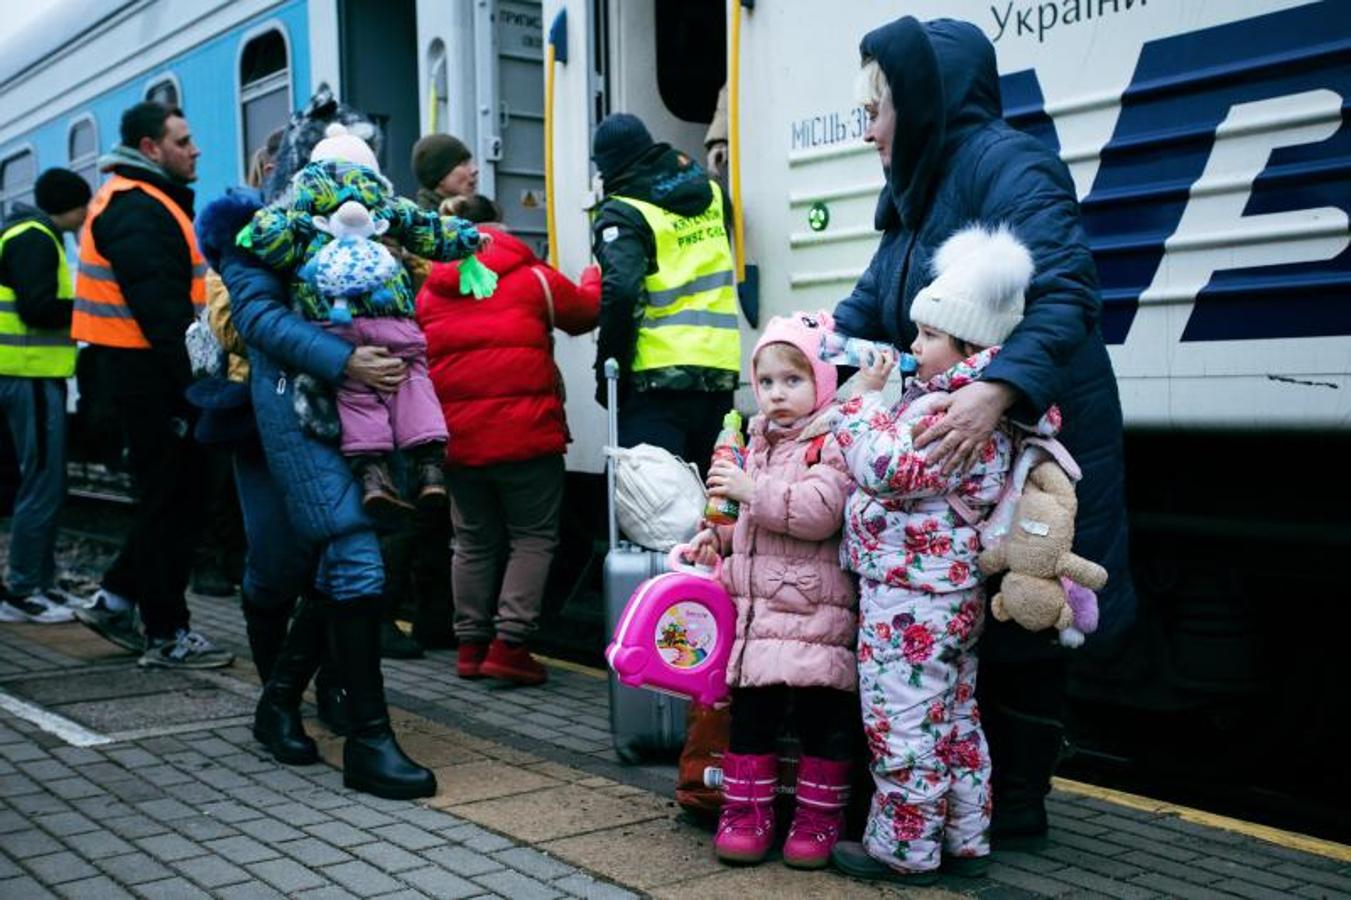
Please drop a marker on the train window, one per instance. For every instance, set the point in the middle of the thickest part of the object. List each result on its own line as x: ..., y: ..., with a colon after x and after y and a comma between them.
x: 691, y: 56
x: 264, y: 88
x: 17, y: 174
x: 165, y: 90
x: 438, y: 112
x: 83, y: 150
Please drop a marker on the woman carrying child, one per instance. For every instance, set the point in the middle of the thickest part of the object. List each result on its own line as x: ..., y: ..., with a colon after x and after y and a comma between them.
x: 796, y: 620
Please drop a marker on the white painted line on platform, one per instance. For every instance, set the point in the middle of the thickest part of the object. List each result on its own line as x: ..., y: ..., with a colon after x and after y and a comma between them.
x: 140, y: 734
x: 72, y: 733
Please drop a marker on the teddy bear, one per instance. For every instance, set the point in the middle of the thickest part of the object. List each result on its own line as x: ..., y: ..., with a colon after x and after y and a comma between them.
x: 1043, y: 575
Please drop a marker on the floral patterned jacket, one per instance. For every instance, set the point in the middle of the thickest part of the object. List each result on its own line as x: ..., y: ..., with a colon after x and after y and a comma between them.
x: 283, y: 234
x: 900, y: 528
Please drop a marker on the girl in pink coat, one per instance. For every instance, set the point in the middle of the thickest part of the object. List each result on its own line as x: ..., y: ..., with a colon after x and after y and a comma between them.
x: 796, y: 618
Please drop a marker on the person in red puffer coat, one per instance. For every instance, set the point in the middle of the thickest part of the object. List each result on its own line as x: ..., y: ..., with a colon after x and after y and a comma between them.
x: 491, y: 362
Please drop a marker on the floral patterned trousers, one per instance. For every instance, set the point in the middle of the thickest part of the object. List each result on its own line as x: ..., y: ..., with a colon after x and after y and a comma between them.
x: 917, y: 684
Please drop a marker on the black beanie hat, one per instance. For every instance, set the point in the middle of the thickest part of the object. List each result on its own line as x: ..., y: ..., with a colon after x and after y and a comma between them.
x: 435, y: 155
x: 60, y: 190
x: 620, y: 139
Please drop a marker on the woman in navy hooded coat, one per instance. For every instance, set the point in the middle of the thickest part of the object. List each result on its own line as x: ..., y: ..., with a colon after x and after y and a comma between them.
x: 313, y: 519
x: 950, y: 161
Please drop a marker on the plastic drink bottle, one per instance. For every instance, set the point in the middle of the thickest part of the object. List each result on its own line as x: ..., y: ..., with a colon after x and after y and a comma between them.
x: 730, y: 446
x: 842, y: 350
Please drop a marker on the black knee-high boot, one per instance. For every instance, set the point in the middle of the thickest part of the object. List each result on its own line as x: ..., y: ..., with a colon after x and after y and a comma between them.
x: 266, y: 629
x: 372, y: 761
x: 277, y: 722
x: 1023, y: 718
x: 330, y: 700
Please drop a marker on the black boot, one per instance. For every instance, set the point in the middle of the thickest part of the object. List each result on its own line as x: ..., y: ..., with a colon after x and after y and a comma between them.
x: 266, y: 628
x: 331, y: 700
x: 371, y: 759
x: 431, y: 582
x: 1028, y: 751
x: 277, y: 722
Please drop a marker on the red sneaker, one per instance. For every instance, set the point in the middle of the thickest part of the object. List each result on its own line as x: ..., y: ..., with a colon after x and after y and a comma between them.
x: 512, y: 662
x: 471, y: 660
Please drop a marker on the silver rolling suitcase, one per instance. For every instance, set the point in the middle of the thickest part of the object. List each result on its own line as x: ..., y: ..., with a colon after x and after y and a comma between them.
x: 643, y: 724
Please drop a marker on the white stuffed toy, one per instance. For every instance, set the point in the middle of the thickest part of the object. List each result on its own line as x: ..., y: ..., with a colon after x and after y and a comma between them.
x: 354, y: 263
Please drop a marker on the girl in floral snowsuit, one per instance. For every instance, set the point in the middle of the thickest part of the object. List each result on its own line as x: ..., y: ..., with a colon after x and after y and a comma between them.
x: 922, y: 603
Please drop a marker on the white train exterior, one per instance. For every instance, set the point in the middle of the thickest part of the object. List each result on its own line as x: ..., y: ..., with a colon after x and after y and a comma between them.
x: 1206, y: 139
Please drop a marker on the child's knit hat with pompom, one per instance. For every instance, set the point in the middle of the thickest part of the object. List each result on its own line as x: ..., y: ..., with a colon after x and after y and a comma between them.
x: 340, y: 145
x: 980, y: 278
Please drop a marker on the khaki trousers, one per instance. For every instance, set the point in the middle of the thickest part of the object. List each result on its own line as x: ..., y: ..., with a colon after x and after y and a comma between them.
x: 503, y: 510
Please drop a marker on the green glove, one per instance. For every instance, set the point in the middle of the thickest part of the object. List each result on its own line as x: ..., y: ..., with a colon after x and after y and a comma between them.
x: 476, y: 278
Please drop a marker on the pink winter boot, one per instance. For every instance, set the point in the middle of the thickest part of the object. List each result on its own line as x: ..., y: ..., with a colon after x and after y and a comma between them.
x: 746, y: 825
x: 822, y: 793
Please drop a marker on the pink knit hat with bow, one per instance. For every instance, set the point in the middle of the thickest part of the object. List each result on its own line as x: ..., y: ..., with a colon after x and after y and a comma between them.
x: 803, y: 330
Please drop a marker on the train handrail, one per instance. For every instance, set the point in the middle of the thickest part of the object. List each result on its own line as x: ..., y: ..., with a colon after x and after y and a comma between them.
x: 558, y: 37
x: 734, y: 139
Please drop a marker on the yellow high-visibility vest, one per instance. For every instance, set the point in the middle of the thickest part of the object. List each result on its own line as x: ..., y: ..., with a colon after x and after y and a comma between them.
x: 35, y: 352
x: 691, y: 314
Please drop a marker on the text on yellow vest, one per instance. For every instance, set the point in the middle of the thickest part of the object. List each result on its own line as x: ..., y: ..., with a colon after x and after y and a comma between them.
x: 691, y: 313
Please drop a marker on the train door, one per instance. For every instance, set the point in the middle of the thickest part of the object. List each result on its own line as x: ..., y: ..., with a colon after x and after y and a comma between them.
x: 662, y: 60
x: 666, y: 61
x: 376, y: 40
x: 511, y: 105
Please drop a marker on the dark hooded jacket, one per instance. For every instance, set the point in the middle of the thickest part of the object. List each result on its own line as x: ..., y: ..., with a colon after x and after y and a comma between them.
x: 671, y: 180
x: 954, y: 162
x: 28, y: 267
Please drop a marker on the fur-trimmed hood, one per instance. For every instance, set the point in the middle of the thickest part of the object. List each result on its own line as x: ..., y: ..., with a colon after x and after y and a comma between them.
x: 222, y: 218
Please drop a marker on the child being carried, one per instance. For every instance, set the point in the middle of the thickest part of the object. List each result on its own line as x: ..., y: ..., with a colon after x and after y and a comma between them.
x: 329, y: 232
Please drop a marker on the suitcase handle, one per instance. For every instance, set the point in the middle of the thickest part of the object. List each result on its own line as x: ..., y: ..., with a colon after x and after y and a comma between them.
x: 612, y: 411
x: 675, y: 560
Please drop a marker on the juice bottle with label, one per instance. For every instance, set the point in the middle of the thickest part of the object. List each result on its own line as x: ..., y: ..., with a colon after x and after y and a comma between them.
x: 731, y: 447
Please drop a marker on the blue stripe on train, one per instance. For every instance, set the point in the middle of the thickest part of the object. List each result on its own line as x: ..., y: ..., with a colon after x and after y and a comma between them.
x: 1182, y: 88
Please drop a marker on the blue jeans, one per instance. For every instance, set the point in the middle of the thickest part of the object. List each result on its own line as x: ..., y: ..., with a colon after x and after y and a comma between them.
x: 279, y: 562
x: 35, y: 409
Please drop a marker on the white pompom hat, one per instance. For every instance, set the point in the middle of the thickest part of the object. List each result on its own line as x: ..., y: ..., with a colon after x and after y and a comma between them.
x: 980, y: 279
x: 341, y: 145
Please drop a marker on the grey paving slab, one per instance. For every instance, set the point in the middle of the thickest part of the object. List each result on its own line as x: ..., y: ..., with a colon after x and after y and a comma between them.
x: 169, y: 847
x: 133, y: 868
x: 211, y: 871
x: 100, y: 887
x: 55, y: 868
x: 437, y: 882
x: 313, y: 852
x: 25, y: 887
x: 462, y: 860
x: 361, y: 878
x: 517, y: 886
x: 287, y: 875
x: 389, y: 858
x: 241, y: 849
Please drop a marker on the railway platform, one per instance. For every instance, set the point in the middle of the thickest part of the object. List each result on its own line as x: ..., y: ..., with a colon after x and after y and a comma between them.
x: 120, y: 782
